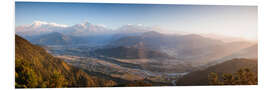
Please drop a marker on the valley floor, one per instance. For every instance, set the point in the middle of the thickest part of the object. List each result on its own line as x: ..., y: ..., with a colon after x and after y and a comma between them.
x: 125, y: 70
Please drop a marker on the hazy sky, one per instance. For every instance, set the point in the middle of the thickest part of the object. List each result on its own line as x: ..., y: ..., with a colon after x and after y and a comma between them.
x: 237, y: 21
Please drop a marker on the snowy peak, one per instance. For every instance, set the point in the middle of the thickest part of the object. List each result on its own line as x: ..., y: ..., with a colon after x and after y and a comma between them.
x: 134, y: 28
x: 43, y: 23
x: 89, y: 27
x: 42, y: 27
x: 39, y: 27
x: 82, y: 29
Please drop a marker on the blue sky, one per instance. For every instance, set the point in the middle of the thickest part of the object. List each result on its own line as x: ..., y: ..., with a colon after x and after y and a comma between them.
x: 238, y: 21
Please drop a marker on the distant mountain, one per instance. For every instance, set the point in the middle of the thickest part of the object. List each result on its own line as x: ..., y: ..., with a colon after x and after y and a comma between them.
x: 249, y: 52
x: 223, y: 38
x: 131, y: 53
x: 215, y: 53
x: 36, y: 68
x: 191, y: 47
x: 155, y: 40
x: 53, y: 38
x: 200, y: 77
x: 56, y: 38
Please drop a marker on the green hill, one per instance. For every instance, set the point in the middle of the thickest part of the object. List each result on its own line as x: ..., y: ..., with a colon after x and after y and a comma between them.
x: 200, y: 77
x: 35, y: 68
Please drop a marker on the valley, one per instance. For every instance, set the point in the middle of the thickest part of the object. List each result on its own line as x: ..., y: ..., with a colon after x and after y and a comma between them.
x: 145, y: 61
x: 140, y: 55
x: 87, y: 44
x: 127, y: 69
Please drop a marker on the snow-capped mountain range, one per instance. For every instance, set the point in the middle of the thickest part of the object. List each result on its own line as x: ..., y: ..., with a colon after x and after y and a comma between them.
x: 39, y: 27
x: 82, y: 29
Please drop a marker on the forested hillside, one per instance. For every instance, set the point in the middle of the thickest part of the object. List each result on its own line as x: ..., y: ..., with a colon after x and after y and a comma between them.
x: 231, y: 67
x: 36, y: 68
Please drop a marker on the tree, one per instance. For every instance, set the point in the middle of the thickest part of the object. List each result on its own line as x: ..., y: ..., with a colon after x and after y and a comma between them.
x: 139, y: 83
x: 246, y: 77
x: 241, y: 77
x: 57, y: 80
x: 213, y: 78
x: 25, y: 77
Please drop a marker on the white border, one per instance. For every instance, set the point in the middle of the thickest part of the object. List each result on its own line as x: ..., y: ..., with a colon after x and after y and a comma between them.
x: 7, y: 24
